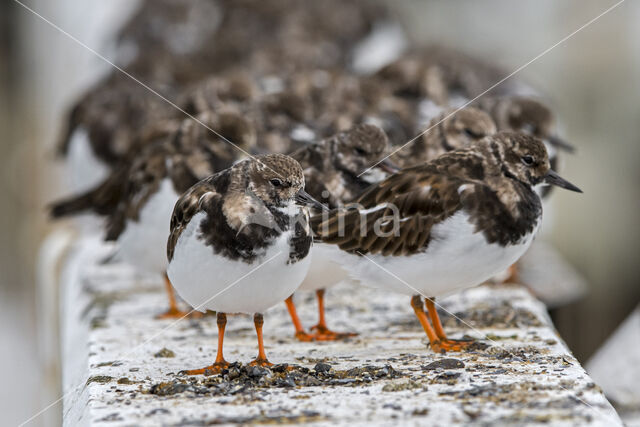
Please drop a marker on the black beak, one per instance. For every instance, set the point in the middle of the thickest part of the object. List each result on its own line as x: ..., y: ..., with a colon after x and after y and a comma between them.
x: 303, y: 198
x: 387, y: 166
x: 561, y: 143
x: 553, y: 178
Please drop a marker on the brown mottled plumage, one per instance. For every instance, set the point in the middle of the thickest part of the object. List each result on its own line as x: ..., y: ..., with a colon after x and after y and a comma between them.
x: 462, y: 129
x: 137, y: 198
x: 528, y: 115
x: 233, y: 89
x: 332, y: 169
x: 490, y: 181
x: 170, y: 45
x: 445, y: 225
x: 235, y: 200
x: 244, y: 218
x: 114, y: 113
x: 519, y: 113
x: 440, y: 73
x: 186, y: 155
x: 331, y: 166
x: 197, y: 38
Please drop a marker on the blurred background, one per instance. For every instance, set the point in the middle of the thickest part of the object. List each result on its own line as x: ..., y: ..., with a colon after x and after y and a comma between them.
x: 592, y: 81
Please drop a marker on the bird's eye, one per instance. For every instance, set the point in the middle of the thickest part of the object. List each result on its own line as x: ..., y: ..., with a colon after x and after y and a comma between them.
x: 359, y: 151
x: 472, y: 134
x: 276, y: 182
x: 527, y: 160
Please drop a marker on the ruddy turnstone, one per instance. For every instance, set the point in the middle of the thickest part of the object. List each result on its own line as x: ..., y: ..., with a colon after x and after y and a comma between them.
x: 248, y: 218
x: 137, y: 198
x: 531, y: 116
x: 446, y: 225
x: 528, y: 115
x: 331, y: 168
x: 233, y: 90
x: 438, y: 78
x: 174, y: 44
x: 105, y: 125
x: 190, y: 39
x: 463, y: 76
x: 444, y: 134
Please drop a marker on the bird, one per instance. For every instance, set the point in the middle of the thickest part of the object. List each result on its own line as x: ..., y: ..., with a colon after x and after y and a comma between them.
x: 448, y: 131
x: 530, y: 115
x: 332, y: 166
x: 169, y: 45
x: 440, y: 81
x: 446, y: 225
x: 187, y: 40
x: 439, y: 78
x: 331, y: 170
x: 106, y: 124
x: 137, y: 198
x: 251, y: 217
x: 447, y: 77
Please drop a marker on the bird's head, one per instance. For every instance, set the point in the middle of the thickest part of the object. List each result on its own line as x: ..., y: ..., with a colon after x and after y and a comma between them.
x: 278, y: 181
x: 359, y: 147
x: 524, y: 158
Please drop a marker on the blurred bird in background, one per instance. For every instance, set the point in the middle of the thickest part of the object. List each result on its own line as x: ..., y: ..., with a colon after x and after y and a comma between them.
x: 287, y: 76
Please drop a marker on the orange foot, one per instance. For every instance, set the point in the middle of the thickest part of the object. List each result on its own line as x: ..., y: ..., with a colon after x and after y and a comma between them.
x: 261, y: 362
x: 325, y: 334
x: 174, y: 313
x: 214, y: 369
x: 514, y: 274
x: 304, y: 337
x: 444, y: 345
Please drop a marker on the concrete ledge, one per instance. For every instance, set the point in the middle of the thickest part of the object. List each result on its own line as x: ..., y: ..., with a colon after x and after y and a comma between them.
x: 120, y: 365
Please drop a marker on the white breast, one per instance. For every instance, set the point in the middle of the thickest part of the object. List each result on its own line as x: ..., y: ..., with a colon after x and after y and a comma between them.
x: 143, y: 243
x: 209, y: 281
x: 456, y: 258
x: 85, y: 170
x: 324, y: 272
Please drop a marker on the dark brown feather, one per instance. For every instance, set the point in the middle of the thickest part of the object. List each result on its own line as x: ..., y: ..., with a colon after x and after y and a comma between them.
x: 189, y: 204
x: 501, y: 207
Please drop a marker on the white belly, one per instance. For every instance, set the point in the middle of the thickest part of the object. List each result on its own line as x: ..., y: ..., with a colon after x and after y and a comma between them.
x: 456, y: 259
x: 209, y: 281
x: 85, y: 170
x: 143, y: 243
x: 382, y: 46
x: 324, y: 272
x: 427, y: 111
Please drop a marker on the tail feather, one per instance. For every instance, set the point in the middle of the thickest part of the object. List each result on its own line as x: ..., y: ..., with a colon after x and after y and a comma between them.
x: 72, y: 206
x: 73, y: 119
x: 115, y: 226
x: 102, y: 200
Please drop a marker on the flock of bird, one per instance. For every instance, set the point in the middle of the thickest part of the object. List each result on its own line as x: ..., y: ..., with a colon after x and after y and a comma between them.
x: 248, y: 160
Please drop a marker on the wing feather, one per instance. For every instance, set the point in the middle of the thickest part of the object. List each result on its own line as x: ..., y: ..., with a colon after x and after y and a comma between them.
x: 189, y: 204
x: 397, y: 214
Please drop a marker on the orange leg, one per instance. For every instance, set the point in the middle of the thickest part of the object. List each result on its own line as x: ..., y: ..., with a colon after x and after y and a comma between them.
x: 513, y: 277
x: 173, y: 312
x: 322, y: 332
x: 220, y: 363
x: 418, y: 308
x: 261, y: 360
x: 445, y: 343
x: 301, y: 335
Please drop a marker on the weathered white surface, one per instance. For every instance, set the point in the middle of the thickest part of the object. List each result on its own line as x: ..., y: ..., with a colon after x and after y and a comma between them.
x: 550, y: 277
x: 110, y: 339
x: 616, y: 367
